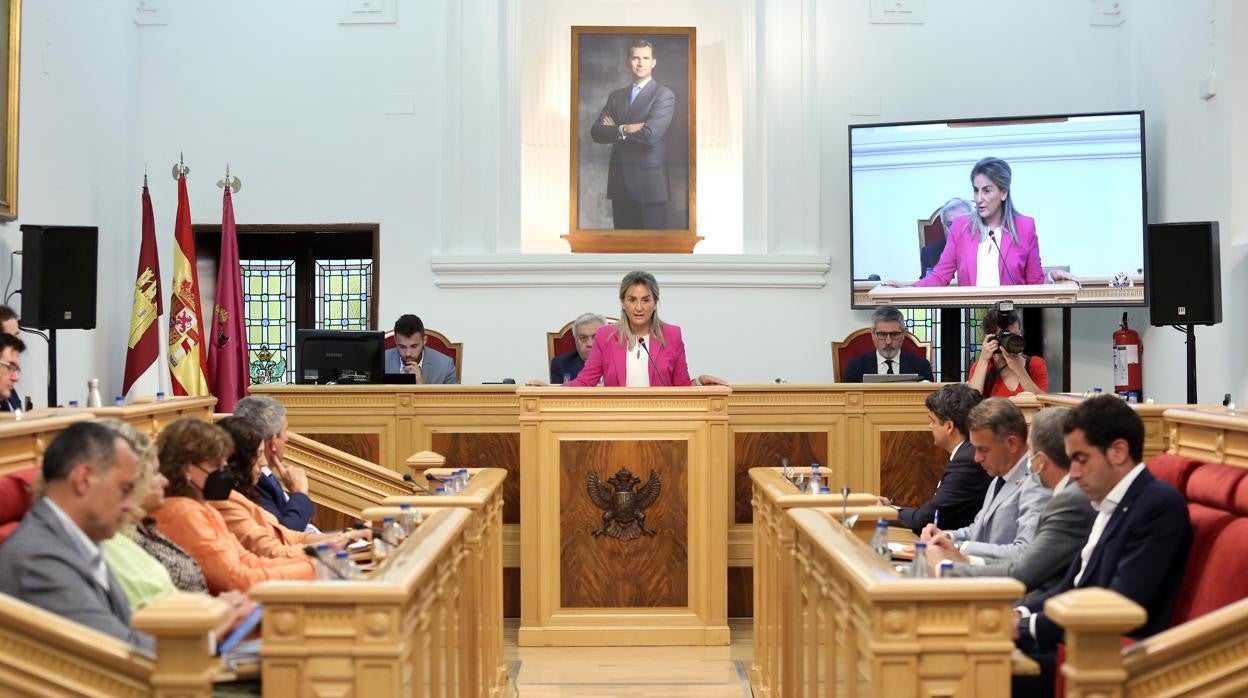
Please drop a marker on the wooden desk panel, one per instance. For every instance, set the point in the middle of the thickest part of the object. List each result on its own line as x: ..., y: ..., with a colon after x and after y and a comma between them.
x: 1156, y: 431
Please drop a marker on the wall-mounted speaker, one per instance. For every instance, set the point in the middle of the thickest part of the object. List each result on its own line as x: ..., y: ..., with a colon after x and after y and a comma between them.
x: 59, y: 267
x: 1183, y: 274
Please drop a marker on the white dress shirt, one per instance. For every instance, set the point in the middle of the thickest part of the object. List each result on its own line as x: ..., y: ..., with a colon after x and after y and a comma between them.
x: 987, y: 273
x: 1104, y: 511
x: 882, y: 367
x: 90, y: 550
x: 637, y: 366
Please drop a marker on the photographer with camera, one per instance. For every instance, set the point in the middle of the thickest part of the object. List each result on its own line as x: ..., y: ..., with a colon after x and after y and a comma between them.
x: 1002, y: 369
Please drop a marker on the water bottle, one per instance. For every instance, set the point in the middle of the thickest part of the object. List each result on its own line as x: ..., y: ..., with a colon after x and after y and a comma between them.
x: 160, y: 395
x: 946, y: 568
x: 879, y: 542
x: 462, y: 478
x: 391, y: 531
x: 324, y: 561
x: 441, y: 490
x: 347, y: 566
x: 825, y: 490
x: 73, y: 404
x: 786, y: 469
x: 815, y: 484
x: 93, y: 393
x: 409, y: 518
x: 119, y: 401
x: 919, y: 568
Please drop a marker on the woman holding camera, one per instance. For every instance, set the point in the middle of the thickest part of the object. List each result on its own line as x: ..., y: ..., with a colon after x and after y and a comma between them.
x: 1002, y: 369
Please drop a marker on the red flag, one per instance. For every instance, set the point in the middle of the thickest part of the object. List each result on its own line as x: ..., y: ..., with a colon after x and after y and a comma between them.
x: 144, y: 345
x: 227, y: 352
x: 188, y: 361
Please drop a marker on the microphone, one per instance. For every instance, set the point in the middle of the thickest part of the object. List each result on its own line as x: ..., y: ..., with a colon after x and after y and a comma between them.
x: 310, y: 551
x: 377, y: 535
x: 407, y: 477
x: 642, y: 341
x: 992, y: 236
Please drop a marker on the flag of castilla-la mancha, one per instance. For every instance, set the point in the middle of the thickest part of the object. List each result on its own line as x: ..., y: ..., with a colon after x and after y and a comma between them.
x: 188, y: 359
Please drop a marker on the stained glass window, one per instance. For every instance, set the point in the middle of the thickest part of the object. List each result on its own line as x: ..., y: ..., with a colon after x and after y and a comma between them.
x: 343, y: 290
x: 972, y: 323
x: 924, y: 324
x: 269, y: 310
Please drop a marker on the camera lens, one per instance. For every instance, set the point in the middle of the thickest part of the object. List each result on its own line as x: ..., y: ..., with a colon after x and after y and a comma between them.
x: 1011, y: 343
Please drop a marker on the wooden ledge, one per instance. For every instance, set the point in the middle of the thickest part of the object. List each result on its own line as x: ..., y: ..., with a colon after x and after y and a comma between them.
x: 1095, y: 610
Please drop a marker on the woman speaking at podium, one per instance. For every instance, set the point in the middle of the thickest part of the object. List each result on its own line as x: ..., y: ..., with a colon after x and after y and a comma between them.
x: 639, y: 350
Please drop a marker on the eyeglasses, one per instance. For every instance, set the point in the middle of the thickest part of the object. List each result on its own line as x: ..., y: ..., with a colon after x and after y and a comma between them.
x: 14, y: 369
x: 889, y: 335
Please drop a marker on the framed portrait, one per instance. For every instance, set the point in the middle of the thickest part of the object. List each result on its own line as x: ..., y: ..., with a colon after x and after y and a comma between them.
x: 10, y: 53
x: 633, y: 140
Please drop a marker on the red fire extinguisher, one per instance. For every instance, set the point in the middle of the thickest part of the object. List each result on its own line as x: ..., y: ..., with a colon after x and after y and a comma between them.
x: 1128, y: 376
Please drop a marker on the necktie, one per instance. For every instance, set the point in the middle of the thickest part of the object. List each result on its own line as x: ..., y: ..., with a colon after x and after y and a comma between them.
x: 889, y: 364
x: 636, y: 89
x: 997, y: 484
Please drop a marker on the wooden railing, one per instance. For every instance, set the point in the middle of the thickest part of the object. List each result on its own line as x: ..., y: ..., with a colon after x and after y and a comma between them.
x: 340, y: 481
x: 44, y: 655
x: 22, y: 442
x: 401, y: 632
x: 482, y: 589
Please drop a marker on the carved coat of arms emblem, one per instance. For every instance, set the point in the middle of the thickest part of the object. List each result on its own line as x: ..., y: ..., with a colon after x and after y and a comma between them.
x: 623, y: 503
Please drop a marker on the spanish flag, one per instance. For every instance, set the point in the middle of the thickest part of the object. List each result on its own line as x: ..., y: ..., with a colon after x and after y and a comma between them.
x: 188, y: 361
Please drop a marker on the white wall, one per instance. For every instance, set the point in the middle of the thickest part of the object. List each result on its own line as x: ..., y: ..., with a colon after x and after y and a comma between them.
x: 299, y: 106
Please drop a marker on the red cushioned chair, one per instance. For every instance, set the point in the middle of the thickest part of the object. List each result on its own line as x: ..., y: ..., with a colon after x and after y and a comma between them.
x: 859, y: 342
x: 16, y: 490
x: 438, y: 342
x: 562, y: 341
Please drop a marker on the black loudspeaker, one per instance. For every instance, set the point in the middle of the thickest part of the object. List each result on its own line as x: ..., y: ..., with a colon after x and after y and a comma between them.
x: 58, y: 276
x: 1184, y: 274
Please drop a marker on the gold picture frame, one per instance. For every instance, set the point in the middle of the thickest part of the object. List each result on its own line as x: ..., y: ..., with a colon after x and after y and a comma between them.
x: 11, y: 53
x: 601, y: 165
x: 11, y: 70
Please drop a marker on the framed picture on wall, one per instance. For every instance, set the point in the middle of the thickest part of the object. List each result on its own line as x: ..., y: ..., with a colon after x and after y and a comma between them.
x: 10, y: 53
x: 633, y: 140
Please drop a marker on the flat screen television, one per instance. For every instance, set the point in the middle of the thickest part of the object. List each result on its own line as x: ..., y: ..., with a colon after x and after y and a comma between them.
x: 1075, y: 234
x: 339, y: 356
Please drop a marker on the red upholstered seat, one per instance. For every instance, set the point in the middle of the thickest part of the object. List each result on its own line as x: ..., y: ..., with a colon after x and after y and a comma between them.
x: 562, y: 341
x: 15, y: 499
x: 1173, y: 469
x: 859, y: 342
x: 439, y: 342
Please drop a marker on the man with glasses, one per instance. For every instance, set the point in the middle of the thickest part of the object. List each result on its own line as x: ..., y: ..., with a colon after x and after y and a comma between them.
x: 11, y: 349
x: 565, y: 367
x: 9, y: 326
x: 888, y: 331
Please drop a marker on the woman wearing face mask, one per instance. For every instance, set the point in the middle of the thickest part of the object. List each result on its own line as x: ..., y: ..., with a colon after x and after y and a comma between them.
x: 253, y: 526
x: 192, y: 456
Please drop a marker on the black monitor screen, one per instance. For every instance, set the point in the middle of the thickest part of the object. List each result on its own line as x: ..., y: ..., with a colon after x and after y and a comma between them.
x: 339, y: 356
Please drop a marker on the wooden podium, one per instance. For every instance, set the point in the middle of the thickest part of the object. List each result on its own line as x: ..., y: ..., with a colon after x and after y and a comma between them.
x: 624, y: 516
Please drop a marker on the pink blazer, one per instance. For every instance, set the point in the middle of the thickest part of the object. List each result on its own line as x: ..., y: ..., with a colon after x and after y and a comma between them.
x: 1019, y: 262
x: 607, y: 360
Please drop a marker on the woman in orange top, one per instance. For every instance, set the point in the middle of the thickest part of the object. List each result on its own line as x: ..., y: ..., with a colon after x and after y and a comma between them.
x: 253, y: 526
x: 191, y: 453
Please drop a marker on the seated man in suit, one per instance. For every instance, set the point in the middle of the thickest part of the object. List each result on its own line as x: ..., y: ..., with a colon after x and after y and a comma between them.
x: 1006, y: 524
x: 283, y: 488
x: 1062, y: 527
x: 1139, y: 541
x: 929, y: 254
x: 54, y: 560
x: 9, y: 326
x: 11, y: 349
x: 963, y: 482
x: 566, y: 366
x: 888, y: 331
x: 409, y: 355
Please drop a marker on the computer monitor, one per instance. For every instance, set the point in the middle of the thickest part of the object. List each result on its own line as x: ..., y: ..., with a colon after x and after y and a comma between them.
x: 339, y: 356
x: 890, y: 378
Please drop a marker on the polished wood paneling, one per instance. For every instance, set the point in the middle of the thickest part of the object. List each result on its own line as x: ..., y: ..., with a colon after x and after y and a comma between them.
x: 755, y: 449
x: 601, y: 571
x: 366, y: 446
x: 511, y: 592
x: 486, y: 450
x: 740, y: 592
x: 910, y: 466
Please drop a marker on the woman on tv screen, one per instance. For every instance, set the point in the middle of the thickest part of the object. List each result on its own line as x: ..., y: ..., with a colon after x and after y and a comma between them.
x: 994, y: 245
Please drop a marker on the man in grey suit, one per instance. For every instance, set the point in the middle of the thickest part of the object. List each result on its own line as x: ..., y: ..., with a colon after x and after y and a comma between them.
x: 54, y: 560
x: 409, y: 355
x: 1006, y: 523
x: 634, y: 121
x: 1062, y: 528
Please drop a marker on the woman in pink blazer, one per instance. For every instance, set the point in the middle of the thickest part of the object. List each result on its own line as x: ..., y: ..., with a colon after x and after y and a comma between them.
x: 995, y: 223
x: 653, y: 349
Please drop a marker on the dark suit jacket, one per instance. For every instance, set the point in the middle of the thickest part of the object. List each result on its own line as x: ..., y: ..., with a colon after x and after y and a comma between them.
x: 13, y: 403
x: 959, y: 494
x: 929, y: 255
x: 857, y: 367
x: 293, y: 511
x: 638, y: 168
x: 41, y: 565
x: 569, y: 364
x: 1141, y: 555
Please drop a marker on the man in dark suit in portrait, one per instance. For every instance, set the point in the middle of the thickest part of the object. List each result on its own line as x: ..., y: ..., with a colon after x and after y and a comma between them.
x: 567, y: 366
x: 888, y: 331
x: 54, y: 560
x: 1139, y: 541
x: 963, y: 482
x: 634, y: 121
